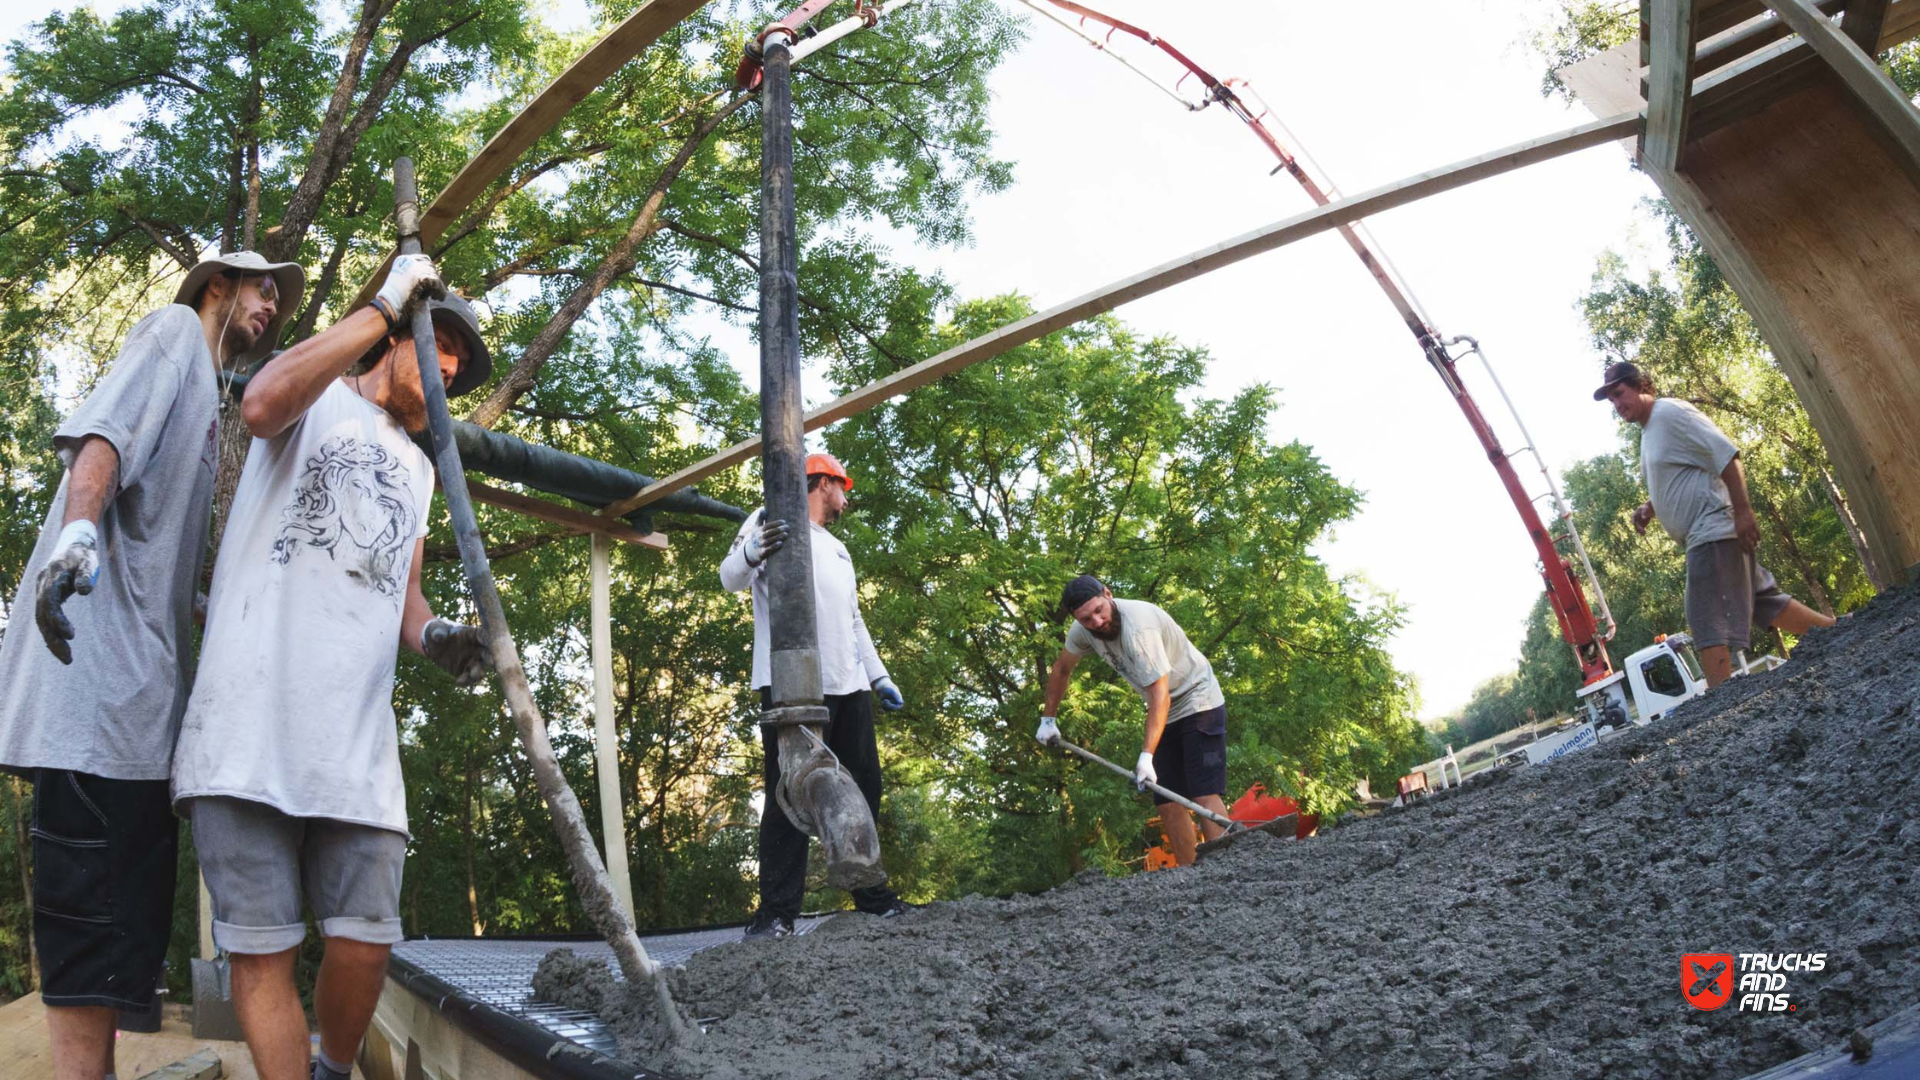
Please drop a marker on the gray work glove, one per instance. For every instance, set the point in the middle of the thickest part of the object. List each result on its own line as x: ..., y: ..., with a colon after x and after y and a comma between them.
x: 461, y: 651
x: 411, y: 279
x: 73, y: 568
x: 769, y: 538
x: 889, y: 694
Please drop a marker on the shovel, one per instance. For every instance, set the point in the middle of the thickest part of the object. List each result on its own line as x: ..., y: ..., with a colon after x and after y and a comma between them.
x: 1283, y: 826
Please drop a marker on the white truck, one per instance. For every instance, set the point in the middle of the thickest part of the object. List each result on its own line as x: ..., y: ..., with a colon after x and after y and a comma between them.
x: 1643, y: 689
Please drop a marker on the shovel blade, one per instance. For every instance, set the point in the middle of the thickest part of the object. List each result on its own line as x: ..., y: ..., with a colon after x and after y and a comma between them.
x: 1281, y: 828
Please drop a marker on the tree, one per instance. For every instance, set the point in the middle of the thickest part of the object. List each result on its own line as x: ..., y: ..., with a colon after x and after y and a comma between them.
x: 978, y: 497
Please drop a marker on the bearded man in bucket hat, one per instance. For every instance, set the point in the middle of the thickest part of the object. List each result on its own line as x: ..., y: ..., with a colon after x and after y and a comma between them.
x: 92, y: 689
x: 288, y: 763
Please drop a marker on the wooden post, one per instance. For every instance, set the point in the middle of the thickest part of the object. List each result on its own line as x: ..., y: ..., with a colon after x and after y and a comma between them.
x: 606, y: 742
x: 1669, y: 79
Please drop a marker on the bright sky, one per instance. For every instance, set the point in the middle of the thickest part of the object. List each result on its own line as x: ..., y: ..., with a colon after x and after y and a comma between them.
x: 1113, y: 177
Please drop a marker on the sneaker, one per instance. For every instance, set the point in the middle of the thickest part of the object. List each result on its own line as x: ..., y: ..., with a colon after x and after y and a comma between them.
x: 765, y: 926
x: 896, y: 909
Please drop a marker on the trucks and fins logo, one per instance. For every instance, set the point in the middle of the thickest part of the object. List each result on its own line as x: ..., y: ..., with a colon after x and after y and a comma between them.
x: 1706, y: 979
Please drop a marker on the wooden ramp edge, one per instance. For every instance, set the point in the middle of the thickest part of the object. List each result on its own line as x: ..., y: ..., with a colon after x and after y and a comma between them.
x: 1895, y: 1055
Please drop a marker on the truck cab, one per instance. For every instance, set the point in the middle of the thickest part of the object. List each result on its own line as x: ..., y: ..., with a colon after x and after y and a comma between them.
x: 1647, y: 686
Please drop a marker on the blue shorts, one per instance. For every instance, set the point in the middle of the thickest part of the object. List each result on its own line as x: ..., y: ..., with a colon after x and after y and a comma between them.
x: 1192, y: 758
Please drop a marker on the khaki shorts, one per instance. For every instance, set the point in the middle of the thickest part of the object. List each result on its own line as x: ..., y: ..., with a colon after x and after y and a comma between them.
x: 258, y: 863
x: 1728, y: 594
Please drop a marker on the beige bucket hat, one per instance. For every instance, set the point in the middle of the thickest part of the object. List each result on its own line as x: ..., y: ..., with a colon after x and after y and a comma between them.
x: 288, y: 278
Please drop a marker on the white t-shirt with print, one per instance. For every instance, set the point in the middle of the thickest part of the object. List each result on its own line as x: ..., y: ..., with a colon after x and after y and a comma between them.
x: 293, y: 705
x: 1150, y: 645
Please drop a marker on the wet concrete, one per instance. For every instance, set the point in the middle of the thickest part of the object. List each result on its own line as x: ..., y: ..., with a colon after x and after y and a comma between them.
x: 1529, y: 925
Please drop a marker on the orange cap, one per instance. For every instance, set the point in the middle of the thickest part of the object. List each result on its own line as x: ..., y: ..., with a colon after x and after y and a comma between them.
x: 828, y: 465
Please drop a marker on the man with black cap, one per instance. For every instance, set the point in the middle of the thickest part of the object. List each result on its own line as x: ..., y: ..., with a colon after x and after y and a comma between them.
x: 851, y: 675
x: 91, y: 702
x: 288, y: 764
x: 1698, y: 491
x: 1185, y: 746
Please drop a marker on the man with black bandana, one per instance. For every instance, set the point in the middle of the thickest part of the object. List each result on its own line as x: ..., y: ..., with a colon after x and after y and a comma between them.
x: 1185, y: 745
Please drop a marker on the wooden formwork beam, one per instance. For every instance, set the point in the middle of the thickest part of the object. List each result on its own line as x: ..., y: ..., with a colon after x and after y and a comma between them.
x: 1166, y: 275
x: 1862, y: 23
x: 578, y: 521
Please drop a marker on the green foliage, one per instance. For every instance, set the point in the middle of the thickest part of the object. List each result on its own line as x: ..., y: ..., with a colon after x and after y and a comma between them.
x: 979, y: 496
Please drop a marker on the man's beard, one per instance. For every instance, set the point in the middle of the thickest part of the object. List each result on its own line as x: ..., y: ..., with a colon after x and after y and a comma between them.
x: 1112, y: 632
x: 407, y: 405
x: 833, y: 514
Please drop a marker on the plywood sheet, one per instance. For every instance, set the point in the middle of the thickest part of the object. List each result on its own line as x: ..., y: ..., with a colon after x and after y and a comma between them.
x: 23, y: 1046
x: 1819, y: 228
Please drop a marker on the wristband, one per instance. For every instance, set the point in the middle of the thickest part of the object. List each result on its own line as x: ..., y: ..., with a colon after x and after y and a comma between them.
x: 381, y: 306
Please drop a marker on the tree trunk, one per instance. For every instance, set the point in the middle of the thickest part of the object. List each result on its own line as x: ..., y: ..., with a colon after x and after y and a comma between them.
x: 236, y: 184
x: 1816, y: 592
x: 303, y: 205
x: 317, y: 299
x: 618, y: 262
x: 466, y: 810
x: 1867, y: 560
x: 251, y: 232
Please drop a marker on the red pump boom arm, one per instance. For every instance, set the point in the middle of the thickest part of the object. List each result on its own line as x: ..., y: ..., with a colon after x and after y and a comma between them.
x: 1577, y: 625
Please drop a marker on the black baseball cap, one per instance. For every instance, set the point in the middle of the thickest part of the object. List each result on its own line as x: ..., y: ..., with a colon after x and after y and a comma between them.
x: 1619, y: 372
x: 1079, y: 591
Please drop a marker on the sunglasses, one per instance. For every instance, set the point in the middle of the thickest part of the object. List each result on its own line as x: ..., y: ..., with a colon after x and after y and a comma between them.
x: 269, y: 288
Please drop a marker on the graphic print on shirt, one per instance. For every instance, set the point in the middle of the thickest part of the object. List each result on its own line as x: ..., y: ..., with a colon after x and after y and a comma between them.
x: 355, y: 502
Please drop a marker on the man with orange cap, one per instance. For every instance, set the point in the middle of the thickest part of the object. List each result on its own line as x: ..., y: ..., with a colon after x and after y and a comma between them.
x: 849, y: 670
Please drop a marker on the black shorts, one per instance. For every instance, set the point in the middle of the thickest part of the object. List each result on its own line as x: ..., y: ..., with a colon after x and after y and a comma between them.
x: 1192, y: 758
x: 104, y: 854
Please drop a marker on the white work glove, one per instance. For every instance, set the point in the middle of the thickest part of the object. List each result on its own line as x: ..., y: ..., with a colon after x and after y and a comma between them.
x: 411, y: 279
x: 73, y: 568
x: 461, y: 651
x: 889, y: 694
x: 769, y: 538
x: 1049, y: 732
x: 1143, y: 773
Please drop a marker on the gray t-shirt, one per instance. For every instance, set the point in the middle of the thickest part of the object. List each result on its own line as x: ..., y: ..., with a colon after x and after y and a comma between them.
x: 1681, y: 457
x: 115, y: 711
x: 1150, y: 645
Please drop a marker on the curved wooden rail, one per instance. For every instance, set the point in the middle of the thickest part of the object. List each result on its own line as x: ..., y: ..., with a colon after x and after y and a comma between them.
x: 1166, y: 275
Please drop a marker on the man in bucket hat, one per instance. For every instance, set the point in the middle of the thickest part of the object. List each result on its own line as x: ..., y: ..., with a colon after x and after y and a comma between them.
x: 92, y: 690
x: 288, y: 764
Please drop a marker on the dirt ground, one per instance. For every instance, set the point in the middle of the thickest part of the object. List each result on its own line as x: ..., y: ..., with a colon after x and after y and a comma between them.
x: 1529, y: 925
